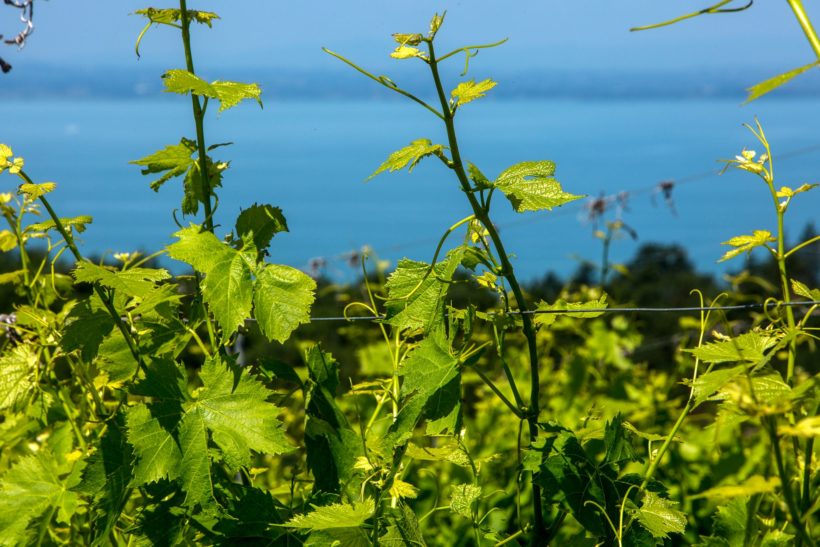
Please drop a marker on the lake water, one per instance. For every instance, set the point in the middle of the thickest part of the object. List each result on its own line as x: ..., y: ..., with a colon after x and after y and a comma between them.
x: 312, y: 158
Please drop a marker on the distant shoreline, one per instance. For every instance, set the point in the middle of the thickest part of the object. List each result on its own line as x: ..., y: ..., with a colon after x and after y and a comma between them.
x: 37, y: 81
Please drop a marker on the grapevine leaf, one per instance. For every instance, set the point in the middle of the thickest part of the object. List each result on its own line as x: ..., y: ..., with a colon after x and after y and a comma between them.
x: 755, y: 484
x: 337, y: 537
x: 409, y: 155
x: 463, y: 498
x: 332, y: 445
x: 432, y: 378
x: 787, y: 192
x: 227, y: 287
x: 168, y: 16
x: 478, y: 178
x: 407, y: 52
x: 17, y: 367
x: 415, y: 294
x: 469, y: 91
x: 282, y: 299
x: 731, y: 520
x: 263, y: 221
x: 748, y: 347
x: 619, y: 449
x: 233, y: 406
x: 802, y: 290
x: 36, y: 191
x: 546, y: 314
x: 34, y: 486
x: 133, y: 282
x: 777, y: 538
x: 744, y: 244
x: 170, y: 435
x: 530, y: 186
x: 709, y: 383
x: 570, y: 477
x: 173, y: 160
x: 229, y: 94
x: 659, y: 516
x: 106, y: 477
x: 447, y: 453
x: 157, y: 453
x: 86, y: 326
x: 758, y: 90
x: 407, y: 39
x: 115, y: 359
x: 77, y: 224
x: 339, y: 515
x: 195, y: 469
x: 403, y: 530
x: 8, y: 241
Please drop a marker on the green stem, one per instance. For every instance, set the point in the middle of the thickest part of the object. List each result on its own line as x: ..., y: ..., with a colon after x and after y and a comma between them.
x: 666, y: 443
x: 198, y: 119
x: 540, y: 529
x: 514, y: 409
x: 788, y: 495
x: 104, y: 297
x: 711, y: 9
x: 805, y: 24
x: 385, y: 82
x: 806, y: 243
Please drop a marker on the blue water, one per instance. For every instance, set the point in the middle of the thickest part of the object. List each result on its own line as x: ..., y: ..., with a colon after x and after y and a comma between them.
x: 312, y: 159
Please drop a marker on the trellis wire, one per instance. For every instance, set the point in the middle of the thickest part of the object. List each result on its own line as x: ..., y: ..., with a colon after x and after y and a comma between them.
x: 641, y: 309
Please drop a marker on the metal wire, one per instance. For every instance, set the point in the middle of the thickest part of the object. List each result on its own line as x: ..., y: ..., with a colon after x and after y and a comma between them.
x: 605, y: 310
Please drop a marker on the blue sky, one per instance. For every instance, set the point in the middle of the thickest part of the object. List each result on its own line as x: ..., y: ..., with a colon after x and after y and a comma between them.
x: 587, y: 34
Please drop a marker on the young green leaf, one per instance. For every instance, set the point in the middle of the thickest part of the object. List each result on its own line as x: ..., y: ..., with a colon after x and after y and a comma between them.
x: 409, y: 155
x: 137, y: 282
x: 17, y: 368
x: 8, y: 241
x: 463, y: 498
x: 744, y: 244
x: 167, y: 16
x: 282, y: 297
x: 469, y: 91
x: 407, y: 52
x: 432, y: 380
x: 332, y: 445
x: 77, y: 224
x: 758, y: 90
x: 173, y: 160
x: 530, y: 186
x: 802, y: 290
x: 261, y: 221
x: 659, y: 516
x: 415, y: 293
x: 229, y: 94
x: 170, y: 434
x: 228, y: 286
x: 338, y: 515
x: 748, y: 347
x: 36, y: 191
x: 550, y: 312
x: 35, y: 486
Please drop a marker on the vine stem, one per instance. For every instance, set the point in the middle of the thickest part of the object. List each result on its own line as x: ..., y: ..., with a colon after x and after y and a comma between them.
x: 805, y: 24
x: 199, y: 116
x: 788, y: 494
x: 104, y: 296
x: 540, y: 529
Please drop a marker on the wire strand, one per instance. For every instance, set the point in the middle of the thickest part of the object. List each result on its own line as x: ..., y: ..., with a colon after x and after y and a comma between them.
x: 576, y: 311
